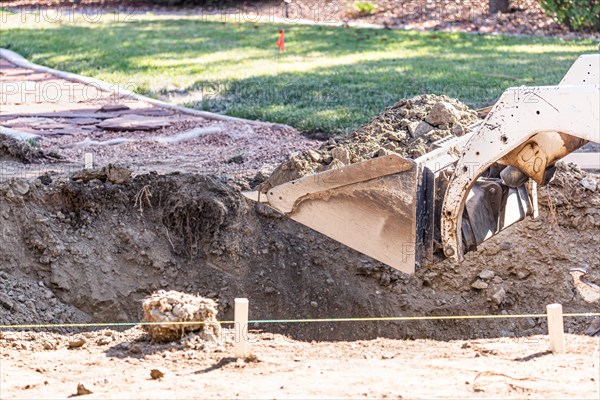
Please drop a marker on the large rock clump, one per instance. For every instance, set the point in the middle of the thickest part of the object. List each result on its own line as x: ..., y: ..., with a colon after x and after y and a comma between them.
x: 171, y: 307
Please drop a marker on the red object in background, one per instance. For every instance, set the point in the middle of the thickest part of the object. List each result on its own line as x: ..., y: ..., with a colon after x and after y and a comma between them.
x: 280, y: 41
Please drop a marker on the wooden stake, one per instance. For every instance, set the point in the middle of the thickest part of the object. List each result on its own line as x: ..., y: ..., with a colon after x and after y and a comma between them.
x: 556, y: 328
x: 88, y: 161
x: 240, y: 345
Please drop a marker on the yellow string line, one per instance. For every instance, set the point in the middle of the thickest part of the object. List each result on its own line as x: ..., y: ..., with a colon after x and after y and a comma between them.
x: 287, y: 321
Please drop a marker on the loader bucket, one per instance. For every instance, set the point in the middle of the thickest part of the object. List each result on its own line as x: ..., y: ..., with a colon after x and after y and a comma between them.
x: 369, y: 206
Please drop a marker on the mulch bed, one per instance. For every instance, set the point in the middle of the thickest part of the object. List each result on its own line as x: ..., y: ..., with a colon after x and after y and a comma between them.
x: 525, y: 17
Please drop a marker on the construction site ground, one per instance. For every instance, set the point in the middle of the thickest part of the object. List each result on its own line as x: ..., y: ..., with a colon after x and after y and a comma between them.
x: 284, y: 368
x: 87, y: 246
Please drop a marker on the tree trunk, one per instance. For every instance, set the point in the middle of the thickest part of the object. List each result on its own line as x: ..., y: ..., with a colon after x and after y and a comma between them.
x: 497, y: 6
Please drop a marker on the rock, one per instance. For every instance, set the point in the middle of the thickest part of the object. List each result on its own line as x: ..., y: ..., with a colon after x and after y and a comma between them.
x: 505, y: 246
x: 239, y: 159
x: 313, y: 155
x: 497, y: 280
x: 156, y: 374
x: 458, y: 130
x: 76, y: 343
x: 113, y: 107
x: 48, y: 345
x: 396, y: 136
x: 385, y: 279
x: 251, y: 358
x: 134, y: 122
x: 104, y: 341
x: 82, y: 390
x: 267, y: 211
x: 20, y: 186
x: 479, y: 284
x: 530, y: 322
x: 383, y: 152
x: 270, y: 290
x: 45, y: 179
x: 419, y: 128
x: 341, y: 154
x: 443, y: 113
x: 116, y: 174
x: 499, y: 296
x: 589, y: 183
x: 335, y: 164
x: 487, y: 274
x: 314, y: 304
x: 135, y: 349
x: 412, y: 126
x: 594, y: 328
x: 6, y: 302
x: 84, y: 121
x: 523, y: 273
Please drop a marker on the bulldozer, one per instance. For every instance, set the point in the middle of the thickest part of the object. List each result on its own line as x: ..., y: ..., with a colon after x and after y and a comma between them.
x: 408, y: 213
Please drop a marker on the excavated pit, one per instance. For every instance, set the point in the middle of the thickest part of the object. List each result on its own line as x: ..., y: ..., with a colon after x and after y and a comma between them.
x: 92, y: 248
x: 100, y: 248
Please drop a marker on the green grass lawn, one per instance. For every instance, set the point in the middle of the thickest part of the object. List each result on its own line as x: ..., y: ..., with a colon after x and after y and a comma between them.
x: 329, y: 79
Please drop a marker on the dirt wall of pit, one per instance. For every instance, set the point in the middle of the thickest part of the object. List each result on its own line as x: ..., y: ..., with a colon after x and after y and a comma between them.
x: 98, y: 248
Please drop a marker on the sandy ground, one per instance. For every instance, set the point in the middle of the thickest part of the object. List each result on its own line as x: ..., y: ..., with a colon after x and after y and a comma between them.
x: 380, y: 368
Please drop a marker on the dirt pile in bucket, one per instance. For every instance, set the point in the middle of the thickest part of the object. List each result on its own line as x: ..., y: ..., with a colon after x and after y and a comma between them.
x: 407, y: 128
x: 172, y: 307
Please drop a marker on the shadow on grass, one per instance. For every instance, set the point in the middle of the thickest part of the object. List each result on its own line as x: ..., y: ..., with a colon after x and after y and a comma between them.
x: 346, y: 96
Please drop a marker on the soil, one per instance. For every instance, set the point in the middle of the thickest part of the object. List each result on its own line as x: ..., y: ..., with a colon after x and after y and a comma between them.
x: 26, y: 301
x: 110, y: 364
x: 102, y: 247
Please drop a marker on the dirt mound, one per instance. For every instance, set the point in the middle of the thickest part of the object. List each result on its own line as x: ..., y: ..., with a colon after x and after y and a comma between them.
x: 17, y: 150
x: 172, y: 306
x: 25, y: 151
x: 574, y: 194
x: 407, y: 128
x: 97, y: 249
